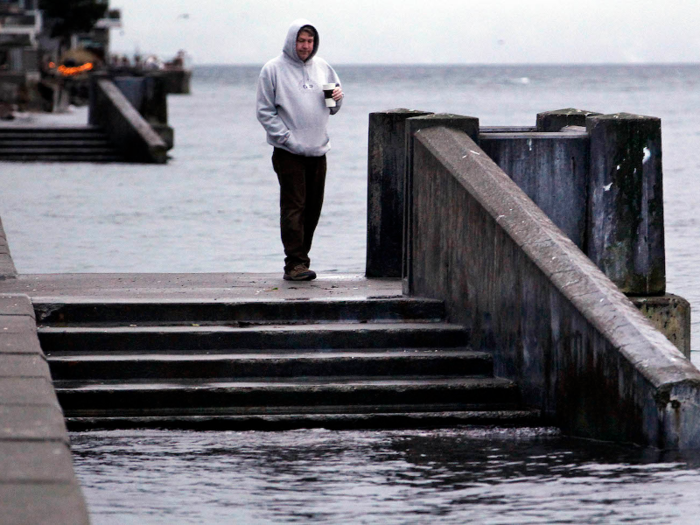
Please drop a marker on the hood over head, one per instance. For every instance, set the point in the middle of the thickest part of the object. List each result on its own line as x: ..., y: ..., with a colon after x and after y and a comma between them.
x: 290, y: 44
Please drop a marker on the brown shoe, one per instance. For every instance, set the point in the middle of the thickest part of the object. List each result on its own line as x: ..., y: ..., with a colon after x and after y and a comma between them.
x: 300, y: 273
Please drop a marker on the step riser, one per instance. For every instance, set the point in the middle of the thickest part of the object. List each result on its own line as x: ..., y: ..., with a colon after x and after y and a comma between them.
x: 262, y: 312
x: 254, y: 339
x: 76, y: 158
x: 57, y: 145
x: 193, y: 401
x: 61, y: 150
x: 271, y: 368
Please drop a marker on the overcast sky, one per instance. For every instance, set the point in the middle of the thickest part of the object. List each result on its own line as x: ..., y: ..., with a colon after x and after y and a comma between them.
x: 418, y: 31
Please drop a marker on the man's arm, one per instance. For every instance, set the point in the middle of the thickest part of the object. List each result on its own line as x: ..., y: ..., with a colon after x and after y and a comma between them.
x: 267, y: 110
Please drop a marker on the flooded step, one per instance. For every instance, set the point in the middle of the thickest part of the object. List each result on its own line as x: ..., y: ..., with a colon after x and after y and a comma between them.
x: 162, y: 367
x: 392, y: 418
x: 195, y: 397
x: 55, y: 340
x: 144, y: 313
x: 342, y: 418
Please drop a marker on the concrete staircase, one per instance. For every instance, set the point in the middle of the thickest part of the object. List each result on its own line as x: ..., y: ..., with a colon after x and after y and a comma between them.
x: 54, y: 144
x: 384, y: 362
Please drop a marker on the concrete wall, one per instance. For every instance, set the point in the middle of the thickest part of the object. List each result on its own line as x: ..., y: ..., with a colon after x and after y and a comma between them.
x: 554, y: 322
x: 127, y: 129
x: 37, y: 480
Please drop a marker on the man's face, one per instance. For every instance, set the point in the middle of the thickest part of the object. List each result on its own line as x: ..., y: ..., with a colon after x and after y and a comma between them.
x: 305, y: 45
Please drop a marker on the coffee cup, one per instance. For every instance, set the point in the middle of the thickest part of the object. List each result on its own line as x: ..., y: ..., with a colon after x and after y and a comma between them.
x: 328, y: 94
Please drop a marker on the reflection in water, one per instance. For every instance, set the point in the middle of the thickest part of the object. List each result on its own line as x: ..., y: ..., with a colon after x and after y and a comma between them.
x: 406, y: 476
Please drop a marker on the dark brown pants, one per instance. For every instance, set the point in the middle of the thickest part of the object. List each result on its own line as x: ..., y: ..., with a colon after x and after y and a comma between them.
x: 302, y: 183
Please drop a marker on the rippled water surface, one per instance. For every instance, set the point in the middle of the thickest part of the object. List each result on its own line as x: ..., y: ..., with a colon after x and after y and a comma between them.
x: 213, y: 208
x: 437, y: 476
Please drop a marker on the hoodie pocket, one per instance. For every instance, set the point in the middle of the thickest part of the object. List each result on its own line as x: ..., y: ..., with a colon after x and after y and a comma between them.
x: 292, y: 145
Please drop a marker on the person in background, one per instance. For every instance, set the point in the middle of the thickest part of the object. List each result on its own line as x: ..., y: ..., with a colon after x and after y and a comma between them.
x: 291, y: 107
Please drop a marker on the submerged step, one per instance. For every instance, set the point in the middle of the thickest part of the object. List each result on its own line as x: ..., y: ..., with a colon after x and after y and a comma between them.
x: 191, y: 397
x: 143, y: 313
x: 55, y: 340
x: 385, y: 363
x: 388, y: 417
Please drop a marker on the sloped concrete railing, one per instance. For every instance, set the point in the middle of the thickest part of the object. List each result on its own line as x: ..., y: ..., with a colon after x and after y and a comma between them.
x: 554, y: 322
x: 127, y: 129
x: 7, y: 265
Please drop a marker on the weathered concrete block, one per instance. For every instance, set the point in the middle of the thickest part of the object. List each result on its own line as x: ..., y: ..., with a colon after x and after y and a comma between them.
x: 43, y: 504
x: 24, y: 365
x: 626, y: 217
x: 670, y: 315
x: 552, y: 169
x: 20, y: 343
x: 561, y: 118
x: 16, y: 304
x: 27, y: 391
x: 35, y: 462
x: 385, y: 191
x: 35, y: 422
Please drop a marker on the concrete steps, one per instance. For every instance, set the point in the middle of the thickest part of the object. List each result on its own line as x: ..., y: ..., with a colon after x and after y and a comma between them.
x: 269, y: 364
x: 71, y: 144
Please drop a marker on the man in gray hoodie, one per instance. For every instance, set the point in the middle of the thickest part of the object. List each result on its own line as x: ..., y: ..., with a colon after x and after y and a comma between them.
x: 291, y: 107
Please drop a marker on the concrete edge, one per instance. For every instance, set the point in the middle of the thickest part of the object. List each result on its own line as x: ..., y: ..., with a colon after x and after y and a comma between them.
x: 38, y: 483
x: 7, y: 265
x: 573, y: 274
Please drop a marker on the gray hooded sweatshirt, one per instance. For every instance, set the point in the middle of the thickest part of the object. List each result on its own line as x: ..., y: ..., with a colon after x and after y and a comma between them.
x: 290, y: 103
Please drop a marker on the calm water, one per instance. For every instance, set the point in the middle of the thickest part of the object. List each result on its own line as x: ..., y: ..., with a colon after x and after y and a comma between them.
x: 214, y: 208
x: 437, y: 476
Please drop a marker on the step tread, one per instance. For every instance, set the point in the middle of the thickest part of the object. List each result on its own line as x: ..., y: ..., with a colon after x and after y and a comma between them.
x: 391, y: 353
x: 292, y: 383
x: 322, y: 327
x: 72, y: 311
x: 96, y: 160
x: 62, y: 149
x: 35, y: 144
x: 24, y: 130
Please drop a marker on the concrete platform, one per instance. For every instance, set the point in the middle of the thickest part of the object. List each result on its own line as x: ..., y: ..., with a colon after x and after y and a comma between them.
x: 198, y: 286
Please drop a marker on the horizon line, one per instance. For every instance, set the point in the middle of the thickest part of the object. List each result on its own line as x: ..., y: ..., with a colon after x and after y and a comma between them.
x: 472, y: 64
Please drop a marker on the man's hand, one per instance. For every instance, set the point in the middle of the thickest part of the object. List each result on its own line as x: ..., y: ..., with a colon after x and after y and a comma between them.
x: 338, y: 94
